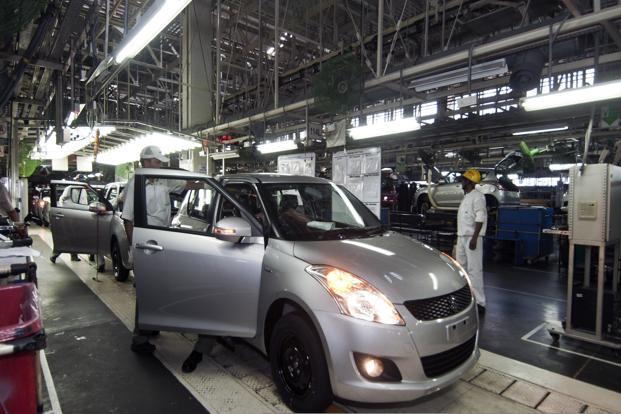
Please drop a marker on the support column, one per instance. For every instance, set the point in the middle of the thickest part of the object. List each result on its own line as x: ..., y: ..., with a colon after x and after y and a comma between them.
x: 218, y: 62
x: 14, y: 154
x: 197, y: 71
x: 276, y: 49
x: 380, y: 37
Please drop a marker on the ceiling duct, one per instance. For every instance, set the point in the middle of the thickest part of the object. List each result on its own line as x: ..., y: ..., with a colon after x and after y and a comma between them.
x: 526, y: 70
x: 526, y: 67
x: 484, y: 70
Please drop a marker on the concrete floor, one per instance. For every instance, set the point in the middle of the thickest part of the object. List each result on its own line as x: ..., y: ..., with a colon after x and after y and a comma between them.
x: 89, y: 323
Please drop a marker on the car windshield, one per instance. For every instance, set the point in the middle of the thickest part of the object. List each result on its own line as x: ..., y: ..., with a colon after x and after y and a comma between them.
x: 318, y: 211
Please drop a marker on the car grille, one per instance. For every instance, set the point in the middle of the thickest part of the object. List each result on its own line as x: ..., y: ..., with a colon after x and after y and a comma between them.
x: 440, y: 306
x: 438, y: 364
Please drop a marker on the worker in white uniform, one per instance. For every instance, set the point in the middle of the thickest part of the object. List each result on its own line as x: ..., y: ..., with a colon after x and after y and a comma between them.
x: 157, y: 202
x: 158, y: 214
x: 471, y: 226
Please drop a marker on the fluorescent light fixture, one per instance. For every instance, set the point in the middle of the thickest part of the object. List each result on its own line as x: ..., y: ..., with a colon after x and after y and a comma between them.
x: 483, y: 70
x: 278, y: 146
x: 224, y: 155
x: 159, y: 15
x: 599, y: 92
x: 386, y: 128
x: 48, y: 149
x: 541, y: 131
x: 563, y: 167
x: 130, y: 151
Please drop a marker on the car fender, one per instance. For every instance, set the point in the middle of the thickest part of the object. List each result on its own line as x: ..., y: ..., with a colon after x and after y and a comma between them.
x: 284, y: 278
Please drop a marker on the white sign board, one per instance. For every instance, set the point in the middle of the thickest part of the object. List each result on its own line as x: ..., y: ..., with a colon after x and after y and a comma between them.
x: 60, y: 164
x: 297, y: 164
x: 360, y: 171
x: 84, y: 164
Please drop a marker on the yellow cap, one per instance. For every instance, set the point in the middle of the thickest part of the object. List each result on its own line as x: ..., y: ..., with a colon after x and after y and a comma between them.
x: 473, y: 175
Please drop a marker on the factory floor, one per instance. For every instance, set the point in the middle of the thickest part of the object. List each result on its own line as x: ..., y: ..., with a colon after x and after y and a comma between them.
x: 89, y: 317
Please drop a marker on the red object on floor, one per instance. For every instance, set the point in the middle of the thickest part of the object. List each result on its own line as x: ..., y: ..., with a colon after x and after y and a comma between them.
x: 21, y: 336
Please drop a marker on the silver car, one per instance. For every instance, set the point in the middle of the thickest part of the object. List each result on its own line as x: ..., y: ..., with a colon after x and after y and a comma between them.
x: 305, y: 272
x: 85, y: 221
x: 447, y: 193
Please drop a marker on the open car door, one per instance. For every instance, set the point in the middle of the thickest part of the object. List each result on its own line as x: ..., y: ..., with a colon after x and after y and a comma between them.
x: 203, y: 276
x: 74, y: 228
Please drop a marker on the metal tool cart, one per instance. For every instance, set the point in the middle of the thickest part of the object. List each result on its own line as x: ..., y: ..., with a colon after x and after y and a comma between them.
x: 594, y: 232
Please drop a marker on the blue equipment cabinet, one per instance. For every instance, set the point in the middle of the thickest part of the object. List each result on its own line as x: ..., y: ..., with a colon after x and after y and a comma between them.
x: 523, y: 225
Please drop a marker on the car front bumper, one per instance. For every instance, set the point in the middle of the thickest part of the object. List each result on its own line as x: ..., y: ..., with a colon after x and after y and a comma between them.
x: 404, y: 345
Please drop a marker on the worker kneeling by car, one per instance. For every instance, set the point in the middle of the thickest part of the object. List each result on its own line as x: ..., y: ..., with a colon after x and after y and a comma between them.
x: 342, y: 307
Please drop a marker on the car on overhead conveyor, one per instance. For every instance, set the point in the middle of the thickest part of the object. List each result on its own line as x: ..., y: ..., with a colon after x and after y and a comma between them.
x: 446, y: 193
x: 83, y: 220
x: 305, y: 272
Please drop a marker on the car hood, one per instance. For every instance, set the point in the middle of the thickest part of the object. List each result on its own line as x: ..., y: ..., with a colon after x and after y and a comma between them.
x: 399, y: 266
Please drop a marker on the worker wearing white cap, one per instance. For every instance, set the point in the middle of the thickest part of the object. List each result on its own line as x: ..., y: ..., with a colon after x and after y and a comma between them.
x: 157, y: 201
x: 471, y: 225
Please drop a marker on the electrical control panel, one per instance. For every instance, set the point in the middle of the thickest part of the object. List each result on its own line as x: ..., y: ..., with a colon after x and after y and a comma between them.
x: 594, y: 192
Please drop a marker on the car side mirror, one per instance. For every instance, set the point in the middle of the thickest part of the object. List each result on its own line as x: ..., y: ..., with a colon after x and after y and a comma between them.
x: 97, y: 207
x: 232, y: 229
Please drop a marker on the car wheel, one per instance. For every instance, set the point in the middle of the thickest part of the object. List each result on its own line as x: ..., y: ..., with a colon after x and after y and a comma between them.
x: 299, y: 366
x: 424, y: 206
x: 121, y: 273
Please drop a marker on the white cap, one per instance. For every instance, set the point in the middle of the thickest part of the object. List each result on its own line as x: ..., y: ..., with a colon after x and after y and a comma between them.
x: 153, y: 151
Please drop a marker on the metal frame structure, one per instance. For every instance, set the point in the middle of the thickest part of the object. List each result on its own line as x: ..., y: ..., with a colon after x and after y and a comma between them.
x: 397, y: 41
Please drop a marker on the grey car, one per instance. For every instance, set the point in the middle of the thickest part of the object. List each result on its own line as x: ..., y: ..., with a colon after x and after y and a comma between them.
x: 305, y: 272
x: 86, y: 221
x: 447, y: 193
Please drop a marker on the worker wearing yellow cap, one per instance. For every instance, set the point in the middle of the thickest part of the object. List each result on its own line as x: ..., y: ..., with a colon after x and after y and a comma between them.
x: 471, y: 224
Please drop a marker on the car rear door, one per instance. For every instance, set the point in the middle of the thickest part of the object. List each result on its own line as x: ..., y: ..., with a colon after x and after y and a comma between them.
x: 74, y: 228
x: 186, y: 279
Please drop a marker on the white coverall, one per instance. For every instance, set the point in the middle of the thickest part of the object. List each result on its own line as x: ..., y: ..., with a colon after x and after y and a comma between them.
x: 157, y: 200
x: 472, y: 210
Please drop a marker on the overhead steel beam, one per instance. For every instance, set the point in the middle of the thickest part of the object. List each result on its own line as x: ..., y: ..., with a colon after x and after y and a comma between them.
x: 613, y: 32
x: 34, y: 62
x: 497, y: 46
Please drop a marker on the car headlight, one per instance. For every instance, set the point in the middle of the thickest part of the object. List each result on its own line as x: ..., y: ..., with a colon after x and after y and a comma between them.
x: 356, y: 297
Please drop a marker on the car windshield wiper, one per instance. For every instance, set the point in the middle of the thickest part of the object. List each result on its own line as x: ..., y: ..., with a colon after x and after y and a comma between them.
x: 357, y: 231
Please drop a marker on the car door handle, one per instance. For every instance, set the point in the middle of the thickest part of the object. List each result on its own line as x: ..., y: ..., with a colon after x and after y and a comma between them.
x: 59, y: 215
x: 149, y: 246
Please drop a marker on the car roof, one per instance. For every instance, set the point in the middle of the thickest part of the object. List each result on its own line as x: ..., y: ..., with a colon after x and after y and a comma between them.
x: 257, y: 178
x: 271, y: 178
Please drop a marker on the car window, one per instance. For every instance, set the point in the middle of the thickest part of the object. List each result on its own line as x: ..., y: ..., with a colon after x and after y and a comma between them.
x: 75, y: 197
x: 452, y: 177
x: 75, y: 194
x: 161, y: 202
x: 199, y: 204
x: 246, y: 194
x: 87, y: 197
x: 112, y: 194
x: 318, y: 211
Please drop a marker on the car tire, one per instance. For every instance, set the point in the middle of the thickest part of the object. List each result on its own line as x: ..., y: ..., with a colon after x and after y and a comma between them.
x: 121, y: 273
x: 299, y: 366
x: 424, y: 205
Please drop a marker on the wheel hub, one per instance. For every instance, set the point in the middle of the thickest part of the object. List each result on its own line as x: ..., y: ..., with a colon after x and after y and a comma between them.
x: 295, y: 366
